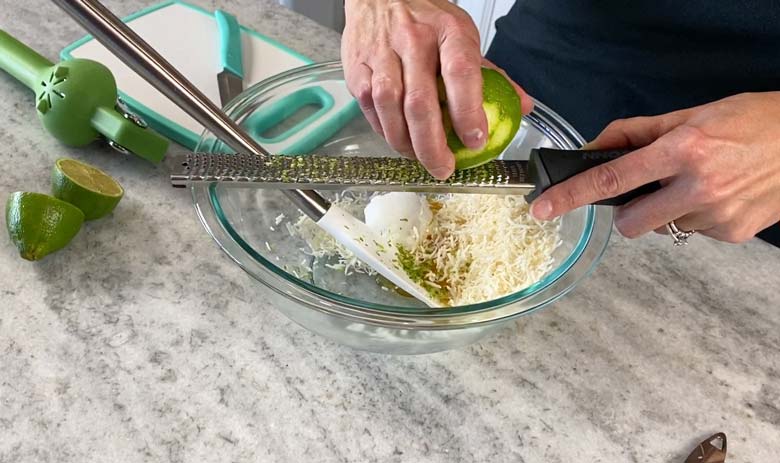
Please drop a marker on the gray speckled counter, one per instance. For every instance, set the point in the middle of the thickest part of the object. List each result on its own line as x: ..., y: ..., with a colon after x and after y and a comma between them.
x: 124, y: 347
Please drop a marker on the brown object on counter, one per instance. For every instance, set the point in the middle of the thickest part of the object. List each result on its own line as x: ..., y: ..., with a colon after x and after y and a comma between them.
x: 711, y: 450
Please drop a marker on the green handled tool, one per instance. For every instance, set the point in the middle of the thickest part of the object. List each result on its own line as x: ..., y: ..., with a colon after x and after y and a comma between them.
x: 76, y: 101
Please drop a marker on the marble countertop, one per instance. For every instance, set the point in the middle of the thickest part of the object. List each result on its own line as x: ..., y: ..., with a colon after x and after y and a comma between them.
x: 123, y: 347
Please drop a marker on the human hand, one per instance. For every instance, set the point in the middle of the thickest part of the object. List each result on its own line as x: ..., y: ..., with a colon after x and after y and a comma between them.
x: 392, y: 52
x: 719, y: 166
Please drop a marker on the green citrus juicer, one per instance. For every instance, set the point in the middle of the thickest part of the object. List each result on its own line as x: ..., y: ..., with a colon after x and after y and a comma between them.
x: 76, y: 100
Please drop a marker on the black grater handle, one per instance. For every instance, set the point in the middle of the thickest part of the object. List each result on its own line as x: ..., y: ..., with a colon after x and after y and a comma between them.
x: 548, y: 167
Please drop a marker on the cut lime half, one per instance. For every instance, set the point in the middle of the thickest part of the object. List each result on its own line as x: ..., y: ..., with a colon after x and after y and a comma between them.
x: 86, y: 187
x: 39, y: 224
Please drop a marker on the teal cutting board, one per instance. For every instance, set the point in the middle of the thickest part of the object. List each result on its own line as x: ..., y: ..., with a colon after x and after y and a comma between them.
x: 187, y: 36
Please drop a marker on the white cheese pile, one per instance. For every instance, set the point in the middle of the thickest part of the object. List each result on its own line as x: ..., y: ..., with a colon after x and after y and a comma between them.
x: 321, y: 244
x: 486, y: 246
x: 476, y: 247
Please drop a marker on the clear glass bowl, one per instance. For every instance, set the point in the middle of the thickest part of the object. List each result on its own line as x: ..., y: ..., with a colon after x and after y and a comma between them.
x: 353, y: 310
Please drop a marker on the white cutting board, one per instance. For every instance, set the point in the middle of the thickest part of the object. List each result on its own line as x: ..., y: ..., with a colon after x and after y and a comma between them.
x: 187, y: 37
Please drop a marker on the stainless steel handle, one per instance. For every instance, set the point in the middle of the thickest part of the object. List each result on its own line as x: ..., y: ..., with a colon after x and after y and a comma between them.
x: 146, y: 62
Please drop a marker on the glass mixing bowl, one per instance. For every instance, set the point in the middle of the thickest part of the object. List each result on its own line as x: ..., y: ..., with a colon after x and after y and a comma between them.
x: 250, y: 225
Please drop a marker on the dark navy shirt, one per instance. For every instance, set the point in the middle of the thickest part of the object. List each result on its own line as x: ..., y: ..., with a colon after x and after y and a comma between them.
x: 599, y: 60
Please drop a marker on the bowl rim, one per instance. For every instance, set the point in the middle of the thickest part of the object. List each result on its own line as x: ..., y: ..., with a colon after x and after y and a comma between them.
x: 593, y: 241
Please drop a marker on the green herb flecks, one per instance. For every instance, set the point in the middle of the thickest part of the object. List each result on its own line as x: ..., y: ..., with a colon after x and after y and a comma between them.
x: 418, y: 270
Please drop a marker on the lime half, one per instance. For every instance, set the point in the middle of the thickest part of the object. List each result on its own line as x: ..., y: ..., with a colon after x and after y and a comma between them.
x: 502, y: 108
x: 86, y: 187
x: 40, y: 224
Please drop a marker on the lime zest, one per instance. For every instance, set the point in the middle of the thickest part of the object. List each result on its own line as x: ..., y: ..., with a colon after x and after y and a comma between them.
x: 418, y: 270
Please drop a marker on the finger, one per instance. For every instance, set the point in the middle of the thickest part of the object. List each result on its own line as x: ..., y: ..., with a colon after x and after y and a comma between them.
x: 419, y: 58
x: 462, y: 75
x: 358, y: 79
x: 693, y: 222
x: 689, y: 222
x: 702, y: 231
x: 725, y: 222
x: 654, y: 211
x: 728, y: 235
x: 638, y: 131
x: 387, y: 94
x: 626, y: 173
x: 526, y: 101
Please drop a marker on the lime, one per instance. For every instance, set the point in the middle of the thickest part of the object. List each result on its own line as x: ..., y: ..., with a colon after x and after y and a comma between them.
x: 86, y: 187
x: 40, y: 224
x: 502, y: 108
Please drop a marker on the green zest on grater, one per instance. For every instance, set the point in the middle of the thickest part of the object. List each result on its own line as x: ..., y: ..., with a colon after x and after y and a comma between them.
x: 76, y: 101
x: 545, y: 168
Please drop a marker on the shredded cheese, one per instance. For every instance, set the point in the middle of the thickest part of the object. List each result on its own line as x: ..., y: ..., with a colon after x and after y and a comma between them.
x: 322, y: 244
x: 477, y: 248
x: 481, y: 247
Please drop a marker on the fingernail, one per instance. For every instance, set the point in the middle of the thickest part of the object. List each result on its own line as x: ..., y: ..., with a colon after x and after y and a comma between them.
x: 441, y: 173
x: 542, y: 210
x: 474, y: 139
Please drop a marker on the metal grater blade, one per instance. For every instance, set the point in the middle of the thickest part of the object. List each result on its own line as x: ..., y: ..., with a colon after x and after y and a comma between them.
x: 318, y: 172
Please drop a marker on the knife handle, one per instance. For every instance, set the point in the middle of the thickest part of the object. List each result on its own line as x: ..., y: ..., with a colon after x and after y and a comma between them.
x: 230, y: 42
x: 550, y: 167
